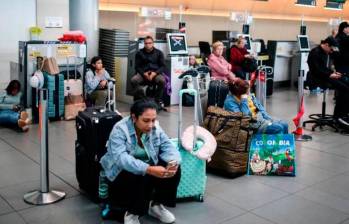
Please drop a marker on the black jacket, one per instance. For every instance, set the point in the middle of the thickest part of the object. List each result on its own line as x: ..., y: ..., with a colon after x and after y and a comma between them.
x: 342, y: 62
x: 318, y: 64
x: 150, y: 61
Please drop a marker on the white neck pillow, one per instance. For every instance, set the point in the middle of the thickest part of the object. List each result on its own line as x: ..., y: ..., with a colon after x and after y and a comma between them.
x: 209, y: 146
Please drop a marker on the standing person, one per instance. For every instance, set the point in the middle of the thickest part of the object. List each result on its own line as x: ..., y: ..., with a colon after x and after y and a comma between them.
x: 142, y: 165
x: 240, y: 100
x: 96, y: 82
x: 320, y: 70
x: 342, y: 62
x: 238, y: 54
x: 10, y: 114
x: 150, y: 68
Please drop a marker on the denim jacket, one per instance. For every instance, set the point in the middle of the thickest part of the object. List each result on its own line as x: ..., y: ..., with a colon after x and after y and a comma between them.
x: 121, y: 148
x: 8, y: 101
x: 233, y: 105
x: 92, y: 80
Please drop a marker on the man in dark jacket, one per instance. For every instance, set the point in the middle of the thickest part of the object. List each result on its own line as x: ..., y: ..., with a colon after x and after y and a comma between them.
x: 319, y: 61
x: 150, y: 66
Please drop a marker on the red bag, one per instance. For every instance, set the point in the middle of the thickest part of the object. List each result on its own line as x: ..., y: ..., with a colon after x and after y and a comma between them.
x: 75, y: 36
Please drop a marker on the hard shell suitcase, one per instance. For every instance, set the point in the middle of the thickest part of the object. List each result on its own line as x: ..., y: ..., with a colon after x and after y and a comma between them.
x: 193, y: 176
x: 74, y: 100
x: 217, y: 92
x: 55, y: 86
x: 93, y: 127
x: 72, y: 86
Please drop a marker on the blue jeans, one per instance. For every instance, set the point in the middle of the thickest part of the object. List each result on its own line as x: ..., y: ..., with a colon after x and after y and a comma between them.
x: 8, y: 117
x: 276, y: 127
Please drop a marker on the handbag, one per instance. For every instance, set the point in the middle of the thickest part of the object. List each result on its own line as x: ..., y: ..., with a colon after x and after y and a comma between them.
x: 50, y: 66
x: 249, y: 65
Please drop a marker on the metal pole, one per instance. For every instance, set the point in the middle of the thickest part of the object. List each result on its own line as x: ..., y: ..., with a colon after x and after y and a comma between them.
x: 43, y: 196
x: 301, y: 137
x: 44, y: 180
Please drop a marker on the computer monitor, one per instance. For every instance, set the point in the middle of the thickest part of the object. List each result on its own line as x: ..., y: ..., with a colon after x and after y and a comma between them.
x: 248, y: 40
x: 303, y: 42
x: 177, y: 43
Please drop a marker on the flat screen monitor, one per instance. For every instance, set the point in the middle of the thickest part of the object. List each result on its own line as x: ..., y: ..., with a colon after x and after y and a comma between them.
x: 177, y: 43
x: 303, y: 42
x: 248, y: 40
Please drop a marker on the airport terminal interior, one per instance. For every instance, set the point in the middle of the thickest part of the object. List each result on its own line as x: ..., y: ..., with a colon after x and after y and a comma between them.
x: 293, y: 68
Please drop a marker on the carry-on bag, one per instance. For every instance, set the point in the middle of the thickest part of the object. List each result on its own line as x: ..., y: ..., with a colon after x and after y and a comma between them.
x: 74, y: 100
x: 50, y: 66
x: 55, y: 86
x: 72, y: 86
x: 193, y: 169
x: 217, y: 92
x: 272, y: 155
x: 232, y: 134
x: 93, y: 127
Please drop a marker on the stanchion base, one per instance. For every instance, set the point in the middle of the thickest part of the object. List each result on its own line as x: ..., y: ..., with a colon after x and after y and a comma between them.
x: 40, y: 198
x: 303, y: 138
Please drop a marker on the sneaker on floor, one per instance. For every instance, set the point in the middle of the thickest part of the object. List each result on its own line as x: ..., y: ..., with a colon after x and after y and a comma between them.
x: 161, y: 213
x: 131, y: 219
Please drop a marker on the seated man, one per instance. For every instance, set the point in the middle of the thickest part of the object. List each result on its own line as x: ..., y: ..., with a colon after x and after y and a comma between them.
x: 150, y: 66
x: 319, y: 69
x: 239, y: 100
x: 142, y: 165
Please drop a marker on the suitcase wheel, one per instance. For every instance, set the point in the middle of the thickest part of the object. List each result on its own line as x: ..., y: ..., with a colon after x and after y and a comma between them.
x: 200, y: 198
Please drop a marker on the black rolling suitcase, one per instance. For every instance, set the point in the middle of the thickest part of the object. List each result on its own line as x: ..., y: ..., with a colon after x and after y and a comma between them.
x: 217, y: 92
x: 93, y: 127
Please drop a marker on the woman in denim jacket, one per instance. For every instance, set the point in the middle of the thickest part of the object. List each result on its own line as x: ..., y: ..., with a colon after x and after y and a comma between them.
x: 240, y: 101
x: 140, y: 161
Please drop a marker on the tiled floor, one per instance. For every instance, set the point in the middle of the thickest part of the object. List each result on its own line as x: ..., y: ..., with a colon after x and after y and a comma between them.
x: 319, y: 194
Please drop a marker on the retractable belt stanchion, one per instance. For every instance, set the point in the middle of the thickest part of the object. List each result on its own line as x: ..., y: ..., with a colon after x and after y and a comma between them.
x: 44, y: 195
x: 261, y: 90
x: 299, y: 136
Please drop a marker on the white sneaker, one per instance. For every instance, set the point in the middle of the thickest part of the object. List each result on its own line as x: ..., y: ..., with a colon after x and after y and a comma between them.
x: 161, y: 213
x: 131, y: 218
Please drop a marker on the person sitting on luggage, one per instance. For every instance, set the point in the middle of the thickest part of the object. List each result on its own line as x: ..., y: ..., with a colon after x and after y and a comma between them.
x: 96, y: 84
x: 10, y: 114
x: 239, y: 100
x: 238, y: 54
x: 220, y: 68
x: 142, y: 165
x: 150, y: 66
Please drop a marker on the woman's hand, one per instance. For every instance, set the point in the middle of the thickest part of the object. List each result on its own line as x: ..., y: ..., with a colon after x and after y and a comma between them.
x: 161, y: 172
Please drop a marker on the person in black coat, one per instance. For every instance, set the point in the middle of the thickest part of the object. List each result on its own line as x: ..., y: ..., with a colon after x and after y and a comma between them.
x: 320, y: 69
x: 342, y: 62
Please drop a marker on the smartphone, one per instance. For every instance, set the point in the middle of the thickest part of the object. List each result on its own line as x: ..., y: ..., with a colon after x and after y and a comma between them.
x: 171, y: 164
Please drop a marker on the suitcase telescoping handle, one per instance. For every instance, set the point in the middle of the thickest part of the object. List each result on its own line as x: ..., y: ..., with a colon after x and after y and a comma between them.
x: 180, y: 117
x: 75, y: 67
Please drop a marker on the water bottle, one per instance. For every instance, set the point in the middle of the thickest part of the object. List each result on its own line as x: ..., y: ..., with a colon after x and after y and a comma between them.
x: 103, y: 186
